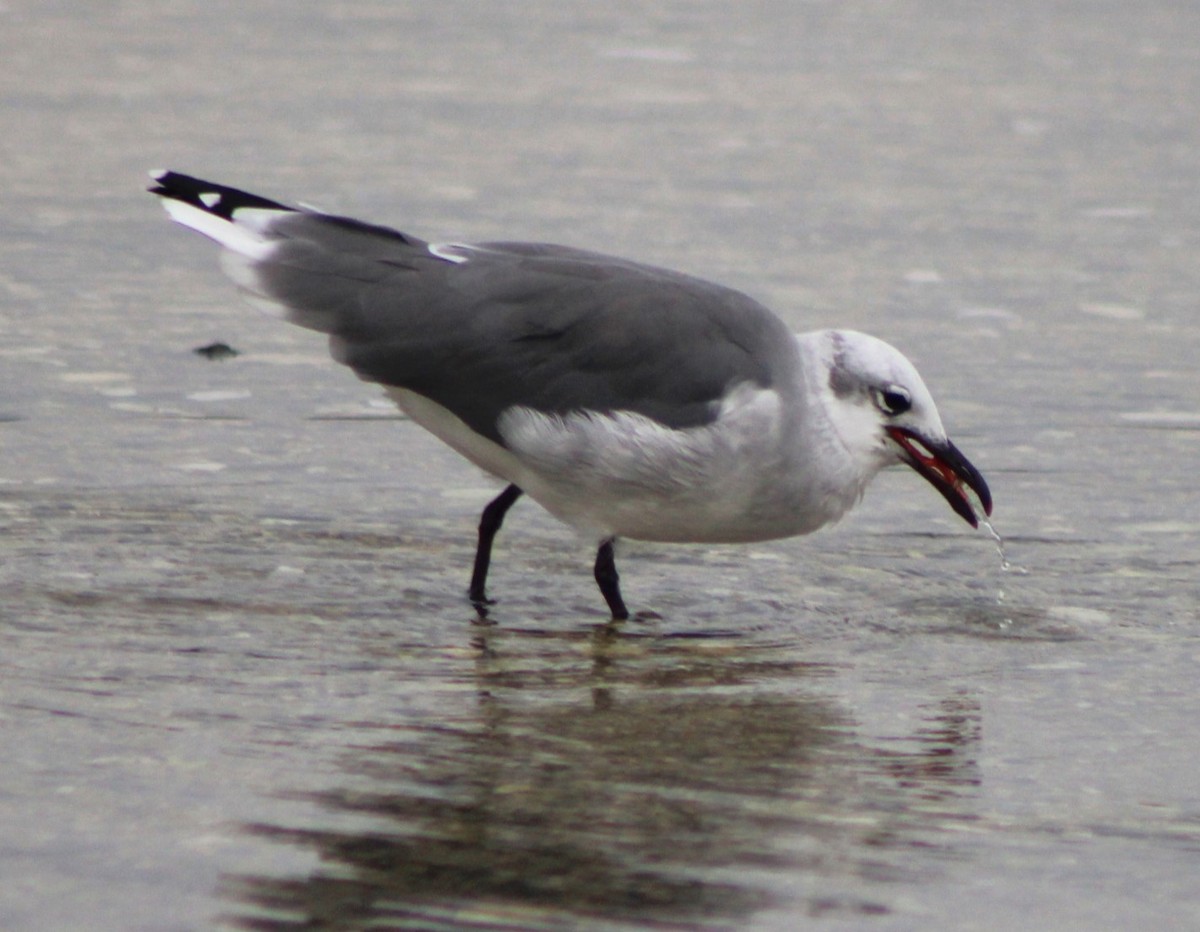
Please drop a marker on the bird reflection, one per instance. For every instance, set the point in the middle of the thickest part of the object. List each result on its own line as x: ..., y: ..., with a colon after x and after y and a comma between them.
x: 611, y: 776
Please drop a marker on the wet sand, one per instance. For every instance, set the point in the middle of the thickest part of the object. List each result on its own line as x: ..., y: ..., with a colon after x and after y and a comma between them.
x: 240, y: 684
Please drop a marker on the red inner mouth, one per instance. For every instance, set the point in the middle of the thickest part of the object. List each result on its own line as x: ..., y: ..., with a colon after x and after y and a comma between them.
x: 922, y: 455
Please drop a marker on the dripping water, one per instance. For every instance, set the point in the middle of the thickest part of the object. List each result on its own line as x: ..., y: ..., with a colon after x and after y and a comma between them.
x: 1005, y: 566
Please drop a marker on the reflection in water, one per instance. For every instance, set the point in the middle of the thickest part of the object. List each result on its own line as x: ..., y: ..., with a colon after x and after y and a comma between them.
x: 628, y: 779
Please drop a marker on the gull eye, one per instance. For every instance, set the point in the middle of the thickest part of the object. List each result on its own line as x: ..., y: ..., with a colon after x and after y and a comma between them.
x: 893, y: 400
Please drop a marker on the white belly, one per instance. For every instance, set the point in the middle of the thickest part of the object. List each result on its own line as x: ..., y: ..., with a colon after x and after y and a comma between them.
x: 626, y: 475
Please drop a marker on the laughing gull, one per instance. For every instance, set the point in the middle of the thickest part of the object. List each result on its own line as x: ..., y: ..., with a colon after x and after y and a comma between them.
x: 627, y: 400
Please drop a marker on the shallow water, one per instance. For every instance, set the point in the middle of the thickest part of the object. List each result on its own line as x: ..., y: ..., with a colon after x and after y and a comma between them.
x: 240, y: 684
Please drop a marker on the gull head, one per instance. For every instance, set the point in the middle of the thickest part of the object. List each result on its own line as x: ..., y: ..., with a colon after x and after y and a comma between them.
x: 883, y: 415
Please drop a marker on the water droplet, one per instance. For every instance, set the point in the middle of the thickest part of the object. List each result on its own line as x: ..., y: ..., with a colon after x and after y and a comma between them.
x: 1004, y: 564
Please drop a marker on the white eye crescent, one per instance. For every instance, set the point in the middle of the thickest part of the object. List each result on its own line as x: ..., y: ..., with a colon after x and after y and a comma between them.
x: 892, y: 400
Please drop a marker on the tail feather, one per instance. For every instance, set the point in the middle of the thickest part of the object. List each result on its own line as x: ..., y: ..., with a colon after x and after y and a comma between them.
x: 303, y: 265
x: 216, y: 199
x: 235, y: 219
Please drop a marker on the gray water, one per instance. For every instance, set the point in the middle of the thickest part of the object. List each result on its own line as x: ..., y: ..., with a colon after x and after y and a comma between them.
x: 240, y: 685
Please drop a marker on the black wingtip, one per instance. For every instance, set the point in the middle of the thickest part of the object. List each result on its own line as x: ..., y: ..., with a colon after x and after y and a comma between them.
x: 209, y: 196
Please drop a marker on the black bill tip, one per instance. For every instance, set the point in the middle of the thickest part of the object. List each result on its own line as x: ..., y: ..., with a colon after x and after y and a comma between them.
x: 948, y: 471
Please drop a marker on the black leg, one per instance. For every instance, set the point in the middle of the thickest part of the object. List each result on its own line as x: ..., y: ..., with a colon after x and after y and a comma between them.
x: 489, y: 524
x: 608, y: 580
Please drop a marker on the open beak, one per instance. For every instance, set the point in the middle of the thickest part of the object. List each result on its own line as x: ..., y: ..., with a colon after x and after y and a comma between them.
x: 947, y: 470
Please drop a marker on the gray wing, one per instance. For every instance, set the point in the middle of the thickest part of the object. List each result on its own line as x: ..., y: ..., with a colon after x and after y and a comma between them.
x: 550, y: 328
x: 479, y: 329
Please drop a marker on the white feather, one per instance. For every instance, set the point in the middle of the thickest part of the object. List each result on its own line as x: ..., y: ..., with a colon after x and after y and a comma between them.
x: 449, y: 252
x: 236, y: 236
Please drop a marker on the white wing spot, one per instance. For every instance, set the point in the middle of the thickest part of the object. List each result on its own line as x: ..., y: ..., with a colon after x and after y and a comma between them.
x: 449, y: 252
x: 210, y: 199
